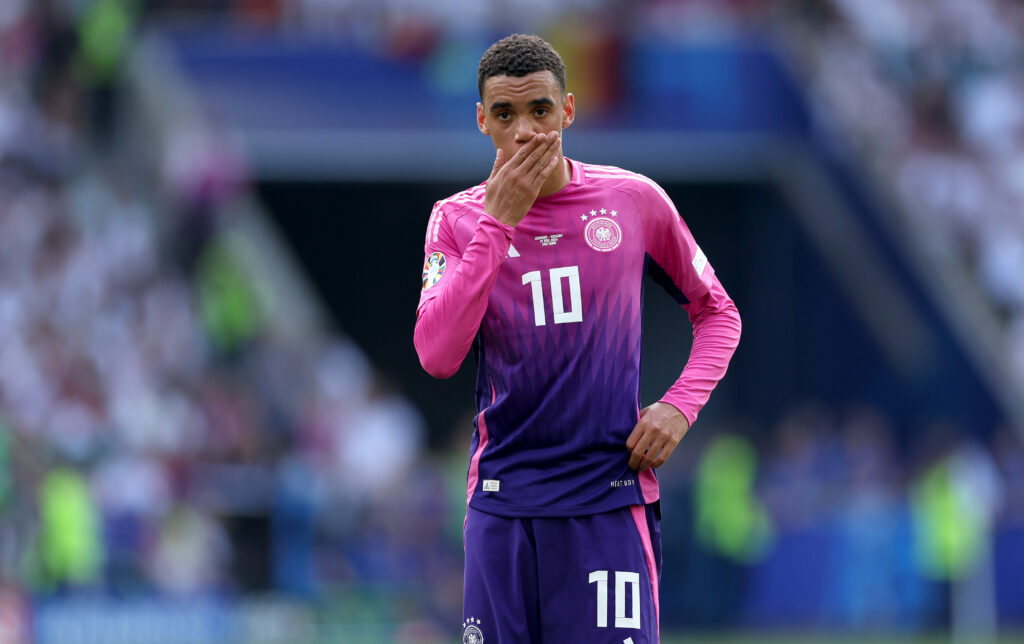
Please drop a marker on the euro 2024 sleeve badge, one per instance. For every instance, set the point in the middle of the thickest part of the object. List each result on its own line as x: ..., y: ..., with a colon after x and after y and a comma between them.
x: 433, y: 269
x: 471, y: 633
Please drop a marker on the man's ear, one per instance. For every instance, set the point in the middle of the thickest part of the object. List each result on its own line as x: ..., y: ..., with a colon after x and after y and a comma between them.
x: 569, y: 107
x: 481, y: 121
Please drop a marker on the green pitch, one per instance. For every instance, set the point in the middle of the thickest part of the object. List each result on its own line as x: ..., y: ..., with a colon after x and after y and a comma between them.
x: 823, y: 638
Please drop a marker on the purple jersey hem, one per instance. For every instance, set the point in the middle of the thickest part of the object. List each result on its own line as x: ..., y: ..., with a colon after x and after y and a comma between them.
x: 548, y: 511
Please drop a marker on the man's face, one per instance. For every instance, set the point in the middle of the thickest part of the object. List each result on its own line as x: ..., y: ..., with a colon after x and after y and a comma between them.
x: 515, y: 108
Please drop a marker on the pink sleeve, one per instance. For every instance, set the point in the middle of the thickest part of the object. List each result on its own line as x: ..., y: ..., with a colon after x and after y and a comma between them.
x: 453, y: 303
x: 685, y: 272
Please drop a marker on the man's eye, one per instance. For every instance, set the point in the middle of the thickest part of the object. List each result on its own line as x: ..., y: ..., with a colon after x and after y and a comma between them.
x: 504, y: 116
x: 541, y: 113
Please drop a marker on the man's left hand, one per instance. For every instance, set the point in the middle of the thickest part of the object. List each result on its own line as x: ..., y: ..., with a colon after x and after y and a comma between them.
x: 659, y: 430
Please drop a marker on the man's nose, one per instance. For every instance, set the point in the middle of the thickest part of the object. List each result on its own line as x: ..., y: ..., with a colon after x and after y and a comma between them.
x: 524, y: 130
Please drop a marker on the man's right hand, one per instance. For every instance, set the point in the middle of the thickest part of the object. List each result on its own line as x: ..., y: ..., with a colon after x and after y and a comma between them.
x: 514, y: 185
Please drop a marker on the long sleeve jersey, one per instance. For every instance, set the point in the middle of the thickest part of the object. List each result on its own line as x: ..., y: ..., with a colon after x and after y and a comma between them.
x: 552, y: 308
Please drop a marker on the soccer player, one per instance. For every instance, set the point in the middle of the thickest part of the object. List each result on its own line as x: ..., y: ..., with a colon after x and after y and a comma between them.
x: 539, y: 269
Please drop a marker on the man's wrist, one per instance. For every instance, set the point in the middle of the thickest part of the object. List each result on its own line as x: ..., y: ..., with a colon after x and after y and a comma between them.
x: 503, y: 220
x: 676, y: 407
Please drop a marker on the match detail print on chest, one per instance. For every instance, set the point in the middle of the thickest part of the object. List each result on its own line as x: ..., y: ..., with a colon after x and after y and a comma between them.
x: 548, y: 260
x: 598, y: 228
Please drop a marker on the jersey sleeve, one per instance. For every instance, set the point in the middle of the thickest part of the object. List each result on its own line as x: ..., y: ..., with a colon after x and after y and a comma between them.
x: 678, y: 264
x: 456, y: 286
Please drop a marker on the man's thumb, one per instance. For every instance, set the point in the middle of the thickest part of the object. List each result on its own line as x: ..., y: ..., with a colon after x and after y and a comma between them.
x: 499, y: 160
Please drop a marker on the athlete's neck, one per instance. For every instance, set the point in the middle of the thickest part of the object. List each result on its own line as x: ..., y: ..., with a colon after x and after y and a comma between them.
x: 558, y: 179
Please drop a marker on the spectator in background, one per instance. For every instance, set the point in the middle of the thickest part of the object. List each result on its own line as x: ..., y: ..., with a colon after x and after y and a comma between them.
x: 104, y: 37
x: 70, y: 542
x: 1008, y: 450
x: 191, y: 555
x: 954, y: 502
x: 797, y: 467
x: 872, y: 578
x: 733, y: 531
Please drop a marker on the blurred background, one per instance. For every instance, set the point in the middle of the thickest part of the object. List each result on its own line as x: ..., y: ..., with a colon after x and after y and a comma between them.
x: 213, y: 424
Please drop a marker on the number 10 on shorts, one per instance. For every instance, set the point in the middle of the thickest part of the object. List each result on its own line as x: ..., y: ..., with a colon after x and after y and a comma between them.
x: 621, y: 579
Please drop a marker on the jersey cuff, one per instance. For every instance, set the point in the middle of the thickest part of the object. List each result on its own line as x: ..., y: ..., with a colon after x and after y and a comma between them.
x: 489, y: 221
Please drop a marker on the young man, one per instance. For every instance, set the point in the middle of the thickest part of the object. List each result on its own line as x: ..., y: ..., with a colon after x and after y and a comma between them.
x: 539, y: 269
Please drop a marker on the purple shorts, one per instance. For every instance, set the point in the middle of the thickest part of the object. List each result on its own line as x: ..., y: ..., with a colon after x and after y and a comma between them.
x: 590, y: 579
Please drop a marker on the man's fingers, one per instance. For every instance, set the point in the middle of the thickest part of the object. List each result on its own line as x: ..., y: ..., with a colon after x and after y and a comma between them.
x: 527, y: 156
x: 532, y: 157
x: 546, y: 171
x: 638, y: 450
x: 523, y: 154
x: 634, y: 437
x: 666, y: 451
x: 647, y: 459
x: 656, y: 435
x: 542, y: 164
x: 656, y: 455
x: 638, y: 431
x: 537, y: 157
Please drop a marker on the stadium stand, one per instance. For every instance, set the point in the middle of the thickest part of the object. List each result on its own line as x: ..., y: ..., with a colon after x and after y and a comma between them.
x: 930, y: 95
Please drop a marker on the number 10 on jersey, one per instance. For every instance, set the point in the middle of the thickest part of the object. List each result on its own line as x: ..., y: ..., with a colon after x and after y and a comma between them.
x: 556, y: 275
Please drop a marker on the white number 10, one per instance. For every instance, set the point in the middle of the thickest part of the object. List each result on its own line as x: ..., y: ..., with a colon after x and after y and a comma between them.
x: 575, y: 312
x: 621, y: 579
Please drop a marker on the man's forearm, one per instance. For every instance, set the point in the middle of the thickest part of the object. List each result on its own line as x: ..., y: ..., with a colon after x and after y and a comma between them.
x: 716, y: 334
x: 447, y: 324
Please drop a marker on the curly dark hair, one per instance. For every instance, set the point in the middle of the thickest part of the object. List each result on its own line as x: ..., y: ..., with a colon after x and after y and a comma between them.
x: 518, y: 55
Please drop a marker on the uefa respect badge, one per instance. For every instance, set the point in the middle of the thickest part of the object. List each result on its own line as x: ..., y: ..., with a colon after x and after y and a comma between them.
x: 433, y: 269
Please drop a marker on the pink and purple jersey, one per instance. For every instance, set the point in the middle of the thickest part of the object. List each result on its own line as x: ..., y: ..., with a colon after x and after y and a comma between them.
x: 553, y: 306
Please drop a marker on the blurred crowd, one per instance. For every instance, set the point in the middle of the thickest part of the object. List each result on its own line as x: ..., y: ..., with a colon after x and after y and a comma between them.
x: 826, y: 518
x: 157, y: 434
x: 933, y: 93
x: 397, y: 26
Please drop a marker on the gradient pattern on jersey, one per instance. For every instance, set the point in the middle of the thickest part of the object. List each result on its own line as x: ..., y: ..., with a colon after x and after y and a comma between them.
x: 554, y: 309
